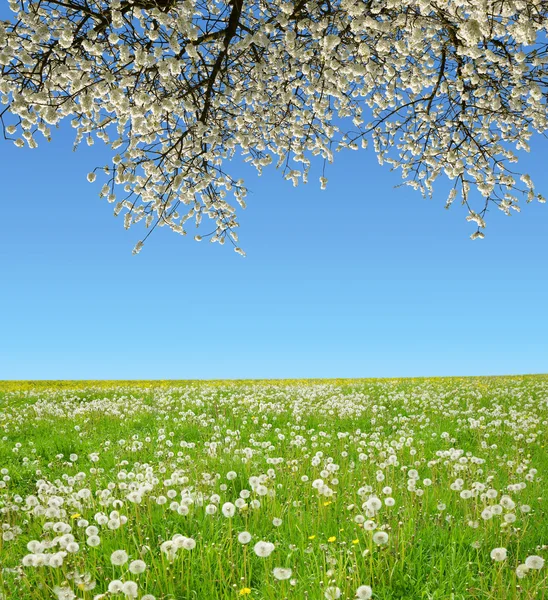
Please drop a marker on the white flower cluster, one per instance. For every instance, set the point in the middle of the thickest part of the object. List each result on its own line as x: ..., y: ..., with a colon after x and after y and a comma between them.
x: 178, y: 541
x: 179, y: 88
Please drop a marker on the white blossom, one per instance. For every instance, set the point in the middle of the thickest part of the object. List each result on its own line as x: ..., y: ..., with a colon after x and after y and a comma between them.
x: 455, y: 91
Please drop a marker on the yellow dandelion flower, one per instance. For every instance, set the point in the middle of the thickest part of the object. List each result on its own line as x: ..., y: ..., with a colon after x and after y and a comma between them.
x: 311, y: 537
x: 327, y: 503
x: 76, y: 516
x: 245, y: 591
x: 356, y: 541
x: 331, y: 539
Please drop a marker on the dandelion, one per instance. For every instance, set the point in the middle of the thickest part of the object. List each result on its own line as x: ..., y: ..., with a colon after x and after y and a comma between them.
x: 521, y: 571
x: 486, y: 514
x: 93, y: 540
x: 507, y: 502
x: 332, y: 593
x: 332, y: 539
x: 380, y: 537
x: 373, y: 504
x: 115, y: 586
x: 64, y: 593
x: 137, y: 566
x: 35, y: 546
x: 211, y: 509
x: 130, y: 589
x: 148, y: 597
x: 119, y: 557
x: 276, y: 522
x: 55, y: 560
x: 282, y: 574
x: 244, y: 537
x: 189, y: 544
x: 244, y: 591
x: 228, y: 509
x: 263, y: 549
x: 498, y: 554
x: 364, y: 592
x: 534, y: 562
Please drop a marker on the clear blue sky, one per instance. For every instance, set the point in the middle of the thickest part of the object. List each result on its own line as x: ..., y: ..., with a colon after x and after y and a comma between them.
x: 360, y: 280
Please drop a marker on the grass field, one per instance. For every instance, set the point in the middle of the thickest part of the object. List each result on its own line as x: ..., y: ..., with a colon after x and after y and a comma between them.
x: 417, y: 489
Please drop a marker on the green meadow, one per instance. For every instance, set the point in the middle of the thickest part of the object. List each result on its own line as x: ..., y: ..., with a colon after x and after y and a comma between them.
x: 271, y: 490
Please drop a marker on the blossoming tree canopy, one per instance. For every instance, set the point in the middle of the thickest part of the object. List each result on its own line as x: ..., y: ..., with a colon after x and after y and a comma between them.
x: 178, y: 87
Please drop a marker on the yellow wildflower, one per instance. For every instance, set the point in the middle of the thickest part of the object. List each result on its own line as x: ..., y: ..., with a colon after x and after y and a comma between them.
x: 331, y: 539
x: 245, y: 591
x: 327, y: 503
x: 311, y: 537
x: 356, y: 541
x: 76, y: 516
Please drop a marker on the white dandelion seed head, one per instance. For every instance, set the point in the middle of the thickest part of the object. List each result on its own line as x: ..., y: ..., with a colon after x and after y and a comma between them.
x: 521, y: 571
x: 534, y: 562
x: 364, y: 592
x: 64, y: 593
x: 115, y: 586
x: 282, y: 574
x: 332, y: 593
x: 130, y: 589
x: 228, y: 509
x: 119, y: 557
x: 93, y: 540
x: 137, y: 566
x: 498, y: 554
x: 263, y: 549
x: 244, y: 537
x: 380, y: 537
x: 35, y: 546
x: 189, y: 544
x: 369, y: 525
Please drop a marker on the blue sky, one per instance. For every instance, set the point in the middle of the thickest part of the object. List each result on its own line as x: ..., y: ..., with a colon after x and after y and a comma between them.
x: 361, y: 280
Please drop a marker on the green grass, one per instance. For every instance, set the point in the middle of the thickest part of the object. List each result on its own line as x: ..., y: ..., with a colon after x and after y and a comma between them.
x: 182, y: 438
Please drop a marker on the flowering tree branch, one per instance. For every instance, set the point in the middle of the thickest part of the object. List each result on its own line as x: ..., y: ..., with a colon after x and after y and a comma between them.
x: 176, y: 88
